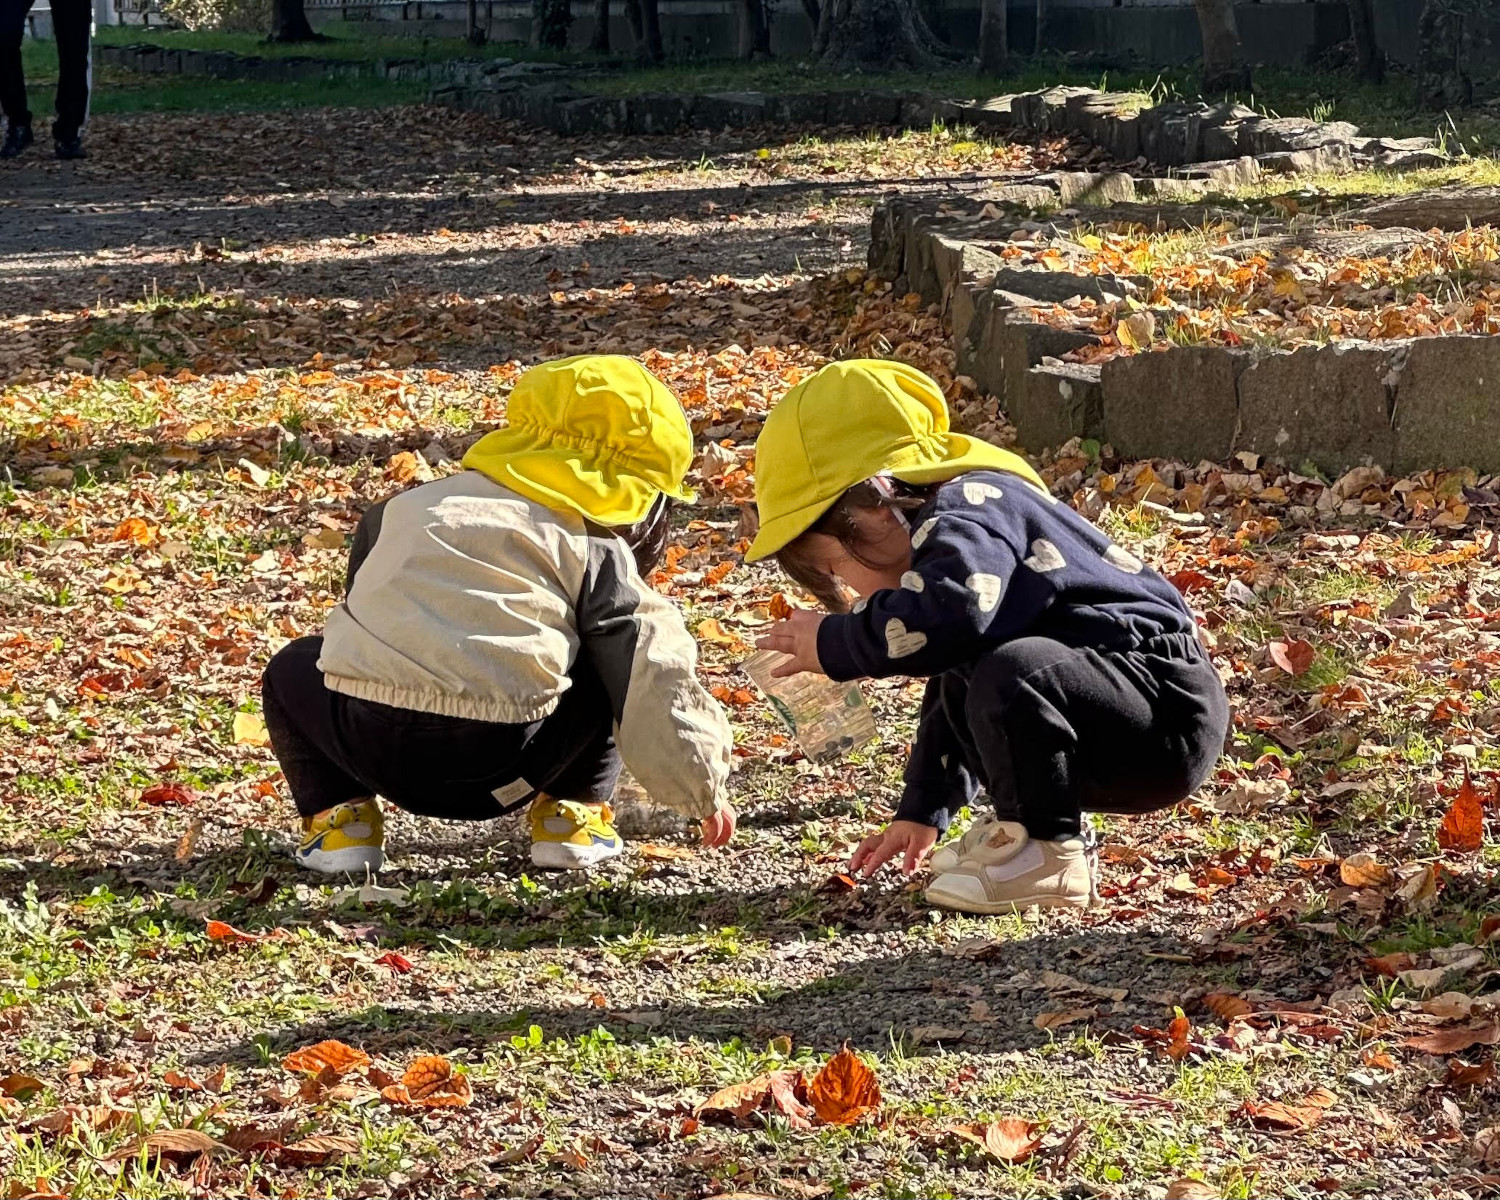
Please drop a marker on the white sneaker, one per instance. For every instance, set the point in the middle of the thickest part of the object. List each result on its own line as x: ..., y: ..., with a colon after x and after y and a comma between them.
x: 949, y: 854
x: 1007, y: 870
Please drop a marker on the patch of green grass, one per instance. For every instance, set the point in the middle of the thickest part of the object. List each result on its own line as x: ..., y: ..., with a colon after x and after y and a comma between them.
x: 347, y: 41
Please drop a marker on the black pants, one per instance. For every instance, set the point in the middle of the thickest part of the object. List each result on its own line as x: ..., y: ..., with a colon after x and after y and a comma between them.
x: 72, y: 26
x: 1053, y: 732
x: 333, y: 748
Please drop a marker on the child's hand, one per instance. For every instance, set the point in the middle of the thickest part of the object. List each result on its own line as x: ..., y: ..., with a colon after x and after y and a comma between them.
x: 719, y: 828
x: 907, y: 838
x: 797, y: 636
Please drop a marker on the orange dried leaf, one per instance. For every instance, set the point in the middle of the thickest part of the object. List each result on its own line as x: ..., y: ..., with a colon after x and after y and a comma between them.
x: 780, y: 607
x: 315, y: 1151
x: 1468, y: 1075
x: 737, y: 1101
x: 1227, y: 1006
x: 1363, y: 870
x: 843, y: 1090
x: 20, y: 1087
x: 326, y: 1056
x: 167, y: 793
x: 1286, y: 1118
x: 1293, y: 657
x: 1462, y: 827
x: 221, y: 931
x: 431, y: 1082
x: 1011, y: 1139
x: 1178, y: 1032
x: 179, y: 1082
x: 1456, y: 1041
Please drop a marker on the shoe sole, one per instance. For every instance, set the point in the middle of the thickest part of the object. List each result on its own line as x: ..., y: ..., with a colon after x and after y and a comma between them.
x: 997, y: 907
x: 566, y: 856
x: 351, y: 860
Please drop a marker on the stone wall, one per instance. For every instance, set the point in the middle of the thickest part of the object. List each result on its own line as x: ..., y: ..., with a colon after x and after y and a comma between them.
x: 1402, y: 405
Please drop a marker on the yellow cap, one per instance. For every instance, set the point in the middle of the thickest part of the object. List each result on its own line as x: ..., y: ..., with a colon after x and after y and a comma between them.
x: 851, y: 421
x: 598, y: 434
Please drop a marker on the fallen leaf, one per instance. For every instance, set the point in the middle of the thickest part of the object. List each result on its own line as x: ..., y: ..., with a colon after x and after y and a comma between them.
x: 1178, y: 1048
x: 524, y: 1152
x: 783, y: 1095
x: 1456, y: 1041
x: 780, y: 607
x: 178, y: 1145
x: 316, y: 1151
x: 250, y: 730
x: 1070, y: 1016
x: 21, y: 1087
x: 737, y: 1101
x: 1008, y: 1140
x: 1227, y: 1005
x: 710, y: 630
x: 661, y: 853
x: 1462, y: 827
x: 135, y: 529
x: 222, y: 931
x: 398, y: 963
x: 1391, y: 965
x: 1293, y: 657
x: 843, y: 1090
x: 168, y: 793
x: 329, y: 1055
x: 177, y: 1081
x: 188, y: 842
x: 1274, y: 1115
x: 431, y: 1082
x: 1363, y: 870
x: 1468, y: 1075
x: 1487, y: 1146
x: 1191, y: 1189
x: 932, y: 1035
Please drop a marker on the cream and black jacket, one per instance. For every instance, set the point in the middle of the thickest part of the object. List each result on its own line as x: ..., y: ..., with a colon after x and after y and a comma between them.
x: 475, y: 602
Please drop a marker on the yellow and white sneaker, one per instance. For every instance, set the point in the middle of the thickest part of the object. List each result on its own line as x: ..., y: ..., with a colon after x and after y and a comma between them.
x: 350, y: 840
x: 568, y: 834
x: 1008, y: 870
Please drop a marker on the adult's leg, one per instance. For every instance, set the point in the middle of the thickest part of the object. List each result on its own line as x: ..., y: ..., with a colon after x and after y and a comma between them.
x: 301, y: 718
x: 12, y: 79
x: 72, y: 24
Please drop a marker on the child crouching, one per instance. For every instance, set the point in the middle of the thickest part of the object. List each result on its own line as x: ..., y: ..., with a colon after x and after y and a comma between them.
x: 497, y: 644
x: 1064, y: 675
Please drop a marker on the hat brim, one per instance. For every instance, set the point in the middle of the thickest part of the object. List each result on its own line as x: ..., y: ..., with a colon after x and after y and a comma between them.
x: 913, y: 465
x: 558, y: 477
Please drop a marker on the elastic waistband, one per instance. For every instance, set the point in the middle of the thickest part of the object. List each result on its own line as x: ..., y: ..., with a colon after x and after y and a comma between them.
x: 1183, y: 644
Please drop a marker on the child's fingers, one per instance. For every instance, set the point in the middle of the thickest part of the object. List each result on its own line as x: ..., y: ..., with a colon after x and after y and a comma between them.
x: 863, y: 851
x: 914, y: 856
x: 880, y: 855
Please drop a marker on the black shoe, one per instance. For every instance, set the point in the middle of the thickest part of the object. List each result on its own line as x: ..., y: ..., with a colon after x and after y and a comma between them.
x: 17, y: 138
x: 68, y: 148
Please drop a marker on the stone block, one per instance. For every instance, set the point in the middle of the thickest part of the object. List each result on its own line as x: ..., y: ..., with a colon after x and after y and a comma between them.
x: 994, y: 115
x: 1178, y: 403
x: 194, y: 62
x: 1057, y: 286
x: 1226, y: 175
x: 1331, y: 158
x: 1446, y: 405
x: 1328, y: 405
x: 1052, y: 106
x: 887, y: 241
x: 1054, y: 402
x: 590, y: 114
x: 1092, y: 188
x: 991, y: 350
x: 1171, y: 191
x: 1322, y: 133
x: 652, y: 112
x: 1023, y: 195
x: 1411, y: 160
x: 148, y: 58
x: 954, y: 262
x: 864, y: 109
x: 797, y: 108
x: 729, y: 110
x: 1166, y: 130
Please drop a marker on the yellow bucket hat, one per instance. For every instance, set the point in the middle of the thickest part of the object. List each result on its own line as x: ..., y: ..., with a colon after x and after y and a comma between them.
x: 851, y: 421
x: 597, y: 434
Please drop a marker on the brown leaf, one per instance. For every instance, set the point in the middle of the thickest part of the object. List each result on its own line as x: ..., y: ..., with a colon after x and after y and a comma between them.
x: 1011, y: 1139
x: 326, y: 1056
x: 737, y: 1101
x: 1391, y: 965
x: 1191, y: 1189
x: 783, y: 1095
x: 431, y: 1082
x: 1274, y: 1115
x: 1462, y: 827
x: 1227, y: 1005
x: 837, y: 884
x: 1293, y: 657
x: 22, y: 1087
x: 1362, y: 871
x: 1456, y: 1041
x: 221, y: 931
x: 1070, y: 1016
x: 843, y: 1090
x: 255, y: 1138
x: 163, y: 794
x: 654, y: 850
x: 780, y: 607
x: 1178, y: 1047
x: 178, y: 1082
x: 315, y: 1151
x: 1468, y: 1075
x: 524, y: 1152
x: 189, y: 840
x: 178, y: 1145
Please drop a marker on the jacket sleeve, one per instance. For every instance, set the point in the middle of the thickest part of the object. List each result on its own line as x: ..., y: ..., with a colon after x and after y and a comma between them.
x: 672, y: 734
x: 958, y: 592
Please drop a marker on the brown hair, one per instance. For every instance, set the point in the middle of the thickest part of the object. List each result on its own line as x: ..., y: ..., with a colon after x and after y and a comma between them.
x: 839, y: 522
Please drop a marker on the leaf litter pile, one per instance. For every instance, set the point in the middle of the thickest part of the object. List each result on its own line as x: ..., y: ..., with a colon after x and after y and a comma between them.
x: 1290, y: 983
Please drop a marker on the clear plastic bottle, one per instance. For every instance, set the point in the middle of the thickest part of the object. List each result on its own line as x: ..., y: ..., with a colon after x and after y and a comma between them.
x: 828, y: 719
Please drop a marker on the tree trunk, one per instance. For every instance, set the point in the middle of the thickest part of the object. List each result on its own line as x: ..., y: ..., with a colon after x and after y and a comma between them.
x: 824, y: 29
x: 599, y: 43
x: 1370, y: 62
x: 550, y: 21
x: 814, y: 14
x: 880, y: 34
x: 289, y: 23
x: 1041, y: 26
x: 994, y: 48
x: 651, y: 20
x: 1442, y: 81
x: 755, y: 30
x: 1224, y: 66
x: 473, y: 33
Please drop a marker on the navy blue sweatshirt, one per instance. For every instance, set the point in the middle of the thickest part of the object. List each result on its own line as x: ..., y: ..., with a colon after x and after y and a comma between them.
x: 993, y: 559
